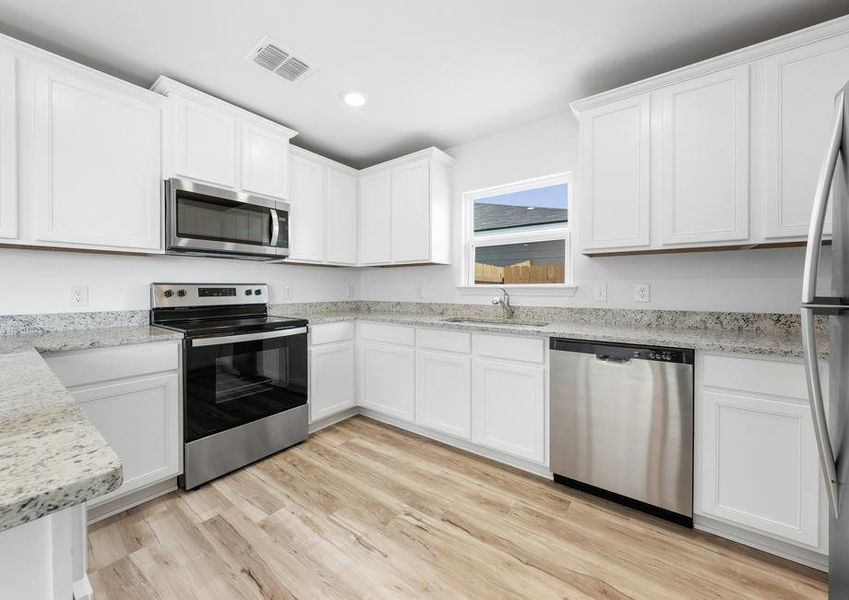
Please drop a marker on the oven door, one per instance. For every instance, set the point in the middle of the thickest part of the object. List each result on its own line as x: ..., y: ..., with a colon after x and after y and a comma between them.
x: 237, y: 379
x: 203, y: 219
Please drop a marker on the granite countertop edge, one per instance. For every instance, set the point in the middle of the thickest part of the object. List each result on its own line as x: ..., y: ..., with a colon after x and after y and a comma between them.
x: 786, y: 346
x: 51, y: 456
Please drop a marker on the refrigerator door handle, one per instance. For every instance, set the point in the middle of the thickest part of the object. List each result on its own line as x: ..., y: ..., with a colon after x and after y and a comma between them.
x: 823, y: 438
x: 815, y: 233
x: 809, y: 287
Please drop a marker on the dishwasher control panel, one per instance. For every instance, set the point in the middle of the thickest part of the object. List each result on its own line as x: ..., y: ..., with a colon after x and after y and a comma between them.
x: 622, y: 352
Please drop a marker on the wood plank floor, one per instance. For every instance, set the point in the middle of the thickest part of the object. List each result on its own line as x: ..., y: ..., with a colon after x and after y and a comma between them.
x: 364, y: 510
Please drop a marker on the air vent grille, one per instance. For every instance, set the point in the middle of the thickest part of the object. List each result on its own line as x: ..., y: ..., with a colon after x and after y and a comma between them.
x: 273, y: 57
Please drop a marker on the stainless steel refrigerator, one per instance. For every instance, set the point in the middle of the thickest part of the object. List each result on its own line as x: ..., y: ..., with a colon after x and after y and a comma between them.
x: 832, y: 430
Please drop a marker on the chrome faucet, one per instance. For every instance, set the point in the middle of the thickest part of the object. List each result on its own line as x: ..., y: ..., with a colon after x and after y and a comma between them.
x: 504, y: 301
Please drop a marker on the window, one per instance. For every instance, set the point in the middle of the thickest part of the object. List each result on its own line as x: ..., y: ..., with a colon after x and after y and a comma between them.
x: 518, y: 234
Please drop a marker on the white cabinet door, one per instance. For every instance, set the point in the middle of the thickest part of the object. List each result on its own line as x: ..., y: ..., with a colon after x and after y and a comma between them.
x: 615, y: 175
x: 375, y: 206
x: 443, y: 392
x: 341, y: 217
x: 96, y: 171
x: 759, y: 464
x: 799, y: 112
x: 387, y: 379
x: 331, y: 379
x: 306, y: 196
x: 139, y: 418
x: 8, y: 148
x: 508, y: 408
x: 265, y: 158
x: 705, y: 163
x: 410, y: 212
x: 205, y: 143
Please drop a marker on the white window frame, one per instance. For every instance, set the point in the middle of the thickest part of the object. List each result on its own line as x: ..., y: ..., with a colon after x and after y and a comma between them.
x: 540, y: 233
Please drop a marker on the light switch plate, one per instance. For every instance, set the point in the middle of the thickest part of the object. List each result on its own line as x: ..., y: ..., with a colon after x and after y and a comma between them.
x: 642, y: 292
x: 349, y: 290
x: 287, y: 292
x: 79, y: 295
x: 600, y: 292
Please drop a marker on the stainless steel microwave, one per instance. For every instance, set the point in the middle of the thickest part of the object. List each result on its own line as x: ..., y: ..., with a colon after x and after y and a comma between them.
x: 206, y: 220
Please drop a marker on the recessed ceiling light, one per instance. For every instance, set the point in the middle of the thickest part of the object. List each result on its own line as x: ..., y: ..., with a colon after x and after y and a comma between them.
x: 353, y: 98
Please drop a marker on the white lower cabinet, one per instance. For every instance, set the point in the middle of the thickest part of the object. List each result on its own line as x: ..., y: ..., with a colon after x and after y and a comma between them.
x: 757, y: 465
x: 487, y: 393
x: 388, y: 379
x: 132, y: 396
x: 508, y: 407
x: 139, y: 419
x: 332, y: 384
x: 444, y: 392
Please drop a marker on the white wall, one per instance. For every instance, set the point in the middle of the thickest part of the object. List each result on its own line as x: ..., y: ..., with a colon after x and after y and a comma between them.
x: 37, y: 281
x: 766, y: 280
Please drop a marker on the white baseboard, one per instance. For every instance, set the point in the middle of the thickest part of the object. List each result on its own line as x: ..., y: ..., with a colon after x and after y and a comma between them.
x: 769, y: 545
x: 333, y: 419
x: 131, y: 500
x: 82, y: 589
x: 530, y: 467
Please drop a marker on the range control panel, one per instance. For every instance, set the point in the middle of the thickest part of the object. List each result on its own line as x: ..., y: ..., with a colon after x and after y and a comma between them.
x: 173, y: 295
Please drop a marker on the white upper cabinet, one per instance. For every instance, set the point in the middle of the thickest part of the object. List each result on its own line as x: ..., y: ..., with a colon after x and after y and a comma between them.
x: 801, y: 85
x: 341, y: 217
x: 374, y: 232
x: 8, y: 147
x: 204, y: 143
x: 410, y: 210
x: 405, y: 210
x: 265, y: 156
x: 705, y: 164
x: 323, y: 213
x: 95, y: 178
x: 725, y: 152
x: 615, y: 172
x: 212, y: 141
x: 307, y: 210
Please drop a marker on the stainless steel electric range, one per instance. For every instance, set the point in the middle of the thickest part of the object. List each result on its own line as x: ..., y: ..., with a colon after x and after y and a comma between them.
x: 244, y: 375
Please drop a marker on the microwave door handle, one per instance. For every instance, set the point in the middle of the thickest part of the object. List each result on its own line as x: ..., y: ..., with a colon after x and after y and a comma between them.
x: 275, y: 227
x: 809, y: 286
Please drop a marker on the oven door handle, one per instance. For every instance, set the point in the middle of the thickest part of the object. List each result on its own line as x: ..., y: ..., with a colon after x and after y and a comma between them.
x: 246, y: 337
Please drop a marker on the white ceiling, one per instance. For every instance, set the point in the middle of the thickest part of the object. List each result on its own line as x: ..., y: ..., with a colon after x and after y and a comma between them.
x: 440, y: 72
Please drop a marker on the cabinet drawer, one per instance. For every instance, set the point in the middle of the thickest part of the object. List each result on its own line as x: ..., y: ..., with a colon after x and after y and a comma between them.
x: 510, y: 348
x: 451, y: 341
x: 82, y: 367
x: 390, y: 334
x: 327, y: 333
x: 759, y: 376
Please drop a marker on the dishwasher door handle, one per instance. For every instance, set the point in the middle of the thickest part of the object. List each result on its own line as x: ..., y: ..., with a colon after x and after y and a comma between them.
x: 604, y: 358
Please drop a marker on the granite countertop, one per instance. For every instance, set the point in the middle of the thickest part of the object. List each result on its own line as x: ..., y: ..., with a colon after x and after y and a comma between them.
x: 779, y: 344
x: 51, y: 456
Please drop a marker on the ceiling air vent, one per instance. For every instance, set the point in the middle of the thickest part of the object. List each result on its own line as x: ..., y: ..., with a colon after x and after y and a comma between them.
x: 280, y: 61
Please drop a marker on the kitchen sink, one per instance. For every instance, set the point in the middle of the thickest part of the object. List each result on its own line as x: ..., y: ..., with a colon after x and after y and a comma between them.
x: 494, y: 322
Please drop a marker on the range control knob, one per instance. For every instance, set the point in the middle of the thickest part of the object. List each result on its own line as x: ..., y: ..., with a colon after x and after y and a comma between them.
x: 248, y: 292
x: 257, y: 292
x: 168, y: 293
x: 181, y: 293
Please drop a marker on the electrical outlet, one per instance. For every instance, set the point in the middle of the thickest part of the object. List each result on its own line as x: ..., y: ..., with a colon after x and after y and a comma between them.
x: 419, y: 292
x: 79, y: 295
x: 349, y: 290
x: 287, y: 292
x: 642, y: 292
x: 600, y: 292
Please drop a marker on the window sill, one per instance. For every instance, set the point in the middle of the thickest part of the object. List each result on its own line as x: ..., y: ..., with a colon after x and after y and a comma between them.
x: 519, y: 290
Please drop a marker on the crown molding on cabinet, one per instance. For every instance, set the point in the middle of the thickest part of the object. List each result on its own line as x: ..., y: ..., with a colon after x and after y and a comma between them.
x: 734, y: 58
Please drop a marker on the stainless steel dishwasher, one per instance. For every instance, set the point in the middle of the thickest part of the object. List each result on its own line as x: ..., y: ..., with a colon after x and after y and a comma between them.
x: 622, y: 424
